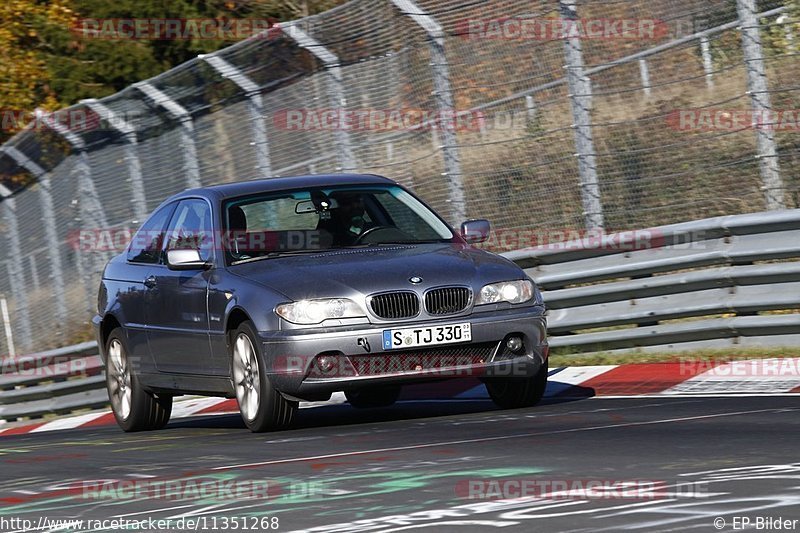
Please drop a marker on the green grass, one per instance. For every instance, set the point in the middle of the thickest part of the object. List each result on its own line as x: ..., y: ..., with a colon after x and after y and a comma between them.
x: 727, y: 354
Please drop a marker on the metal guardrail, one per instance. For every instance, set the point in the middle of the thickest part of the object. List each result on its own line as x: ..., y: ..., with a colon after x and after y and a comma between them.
x: 709, y: 273
x: 56, y: 381
x: 716, y: 275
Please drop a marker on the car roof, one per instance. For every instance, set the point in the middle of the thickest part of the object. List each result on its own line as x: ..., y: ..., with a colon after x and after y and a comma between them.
x: 244, y: 188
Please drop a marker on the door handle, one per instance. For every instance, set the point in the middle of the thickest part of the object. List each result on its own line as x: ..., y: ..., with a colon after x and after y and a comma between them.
x: 150, y: 282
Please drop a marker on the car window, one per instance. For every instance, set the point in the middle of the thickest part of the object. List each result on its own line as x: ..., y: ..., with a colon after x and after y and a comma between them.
x: 278, y: 214
x: 146, y: 245
x: 190, y: 228
x: 270, y: 225
x: 407, y: 220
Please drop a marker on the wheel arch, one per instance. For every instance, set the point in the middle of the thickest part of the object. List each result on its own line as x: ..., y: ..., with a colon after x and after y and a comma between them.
x: 235, y: 319
x: 107, y: 325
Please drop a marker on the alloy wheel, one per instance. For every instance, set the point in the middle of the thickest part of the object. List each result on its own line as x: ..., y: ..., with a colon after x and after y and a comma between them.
x: 246, y: 377
x: 119, y: 380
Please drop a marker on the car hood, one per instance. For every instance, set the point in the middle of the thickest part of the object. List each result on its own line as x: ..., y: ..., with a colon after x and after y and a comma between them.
x: 353, y: 272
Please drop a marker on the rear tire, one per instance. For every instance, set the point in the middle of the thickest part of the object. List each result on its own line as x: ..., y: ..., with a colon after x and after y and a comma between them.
x: 262, y: 407
x: 515, y: 393
x: 134, y: 408
x: 369, y: 398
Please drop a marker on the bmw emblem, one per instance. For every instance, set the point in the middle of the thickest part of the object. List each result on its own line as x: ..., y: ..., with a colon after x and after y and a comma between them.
x: 416, y: 280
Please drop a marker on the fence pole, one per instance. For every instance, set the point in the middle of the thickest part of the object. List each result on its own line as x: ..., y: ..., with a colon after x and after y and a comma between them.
x: 708, y: 62
x: 7, y: 328
x: 530, y: 105
x: 347, y: 160
x: 177, y: 111
x: 51, y: 234
x: 255, y: 106
x: 443, y: 94
x: 131, y: 154
x: 15, y: 267
x: 34, y: 273
x: 580, y: 93
x: 644, y: 72
x: 762, y: 107
x: 91, y: 209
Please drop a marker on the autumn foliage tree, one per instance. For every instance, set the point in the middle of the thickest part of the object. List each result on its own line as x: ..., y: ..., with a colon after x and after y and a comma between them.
x: 25, y: 79
x: 45, y: 63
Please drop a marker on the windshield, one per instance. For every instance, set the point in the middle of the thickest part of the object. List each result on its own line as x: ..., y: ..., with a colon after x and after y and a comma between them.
x: 306, y: 221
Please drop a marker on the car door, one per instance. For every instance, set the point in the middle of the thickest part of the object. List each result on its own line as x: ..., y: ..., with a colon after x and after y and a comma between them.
x: 143, y: 257
x: 176, y: 301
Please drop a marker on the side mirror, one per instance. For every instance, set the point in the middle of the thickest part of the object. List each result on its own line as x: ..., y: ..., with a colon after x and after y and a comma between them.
x: 186, y: 260
x: 476, y: 231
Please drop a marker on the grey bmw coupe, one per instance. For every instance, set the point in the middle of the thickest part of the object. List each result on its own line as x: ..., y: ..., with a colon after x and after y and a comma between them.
x: 289, y: 289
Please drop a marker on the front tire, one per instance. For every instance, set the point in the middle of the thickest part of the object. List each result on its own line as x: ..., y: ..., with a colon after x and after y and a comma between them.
x: 261, y: 406
x: 134, y: 408
x: 515, y: 393
x: 368, y: 398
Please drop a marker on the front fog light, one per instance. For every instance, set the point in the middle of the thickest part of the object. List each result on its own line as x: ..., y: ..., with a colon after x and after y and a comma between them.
x: 326, y: 363
x: 318, y: 311
x: 514, y: 344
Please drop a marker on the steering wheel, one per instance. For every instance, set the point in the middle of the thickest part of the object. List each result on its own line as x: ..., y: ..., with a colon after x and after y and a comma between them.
x: 378, y: 234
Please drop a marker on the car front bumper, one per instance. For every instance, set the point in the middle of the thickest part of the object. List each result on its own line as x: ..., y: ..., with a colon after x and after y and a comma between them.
x: 292, y: 356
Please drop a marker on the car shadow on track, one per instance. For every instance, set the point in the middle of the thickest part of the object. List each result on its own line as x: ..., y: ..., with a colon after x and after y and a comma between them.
x: 344, y: 414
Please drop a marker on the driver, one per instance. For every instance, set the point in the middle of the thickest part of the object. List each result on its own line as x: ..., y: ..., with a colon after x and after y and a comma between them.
x: 348, y: 220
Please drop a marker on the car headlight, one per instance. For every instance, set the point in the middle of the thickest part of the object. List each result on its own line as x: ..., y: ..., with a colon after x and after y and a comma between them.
x: 515, y: 292
x: 318, y: 311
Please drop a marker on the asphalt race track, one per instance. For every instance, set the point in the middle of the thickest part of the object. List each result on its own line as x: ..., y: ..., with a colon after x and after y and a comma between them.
x: 432, y: 465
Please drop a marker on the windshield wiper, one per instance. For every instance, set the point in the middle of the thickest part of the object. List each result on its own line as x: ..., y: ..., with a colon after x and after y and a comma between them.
x: 274, y: 255
x: 289, y: 253
x: 392, y: 243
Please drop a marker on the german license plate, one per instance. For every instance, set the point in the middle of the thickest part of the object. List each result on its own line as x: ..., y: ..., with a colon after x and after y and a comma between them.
x: 394, y: 339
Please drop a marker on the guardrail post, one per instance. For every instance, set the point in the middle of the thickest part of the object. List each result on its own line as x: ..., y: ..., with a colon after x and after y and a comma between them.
x: 51, y: 235
x: 580, y: 94
x: 131, y: 154
x: 762, y: 107
x: 347, y: 160
x: 255, y: 106
x: 188, y: 148
x: 15, y: 271
x: 443, y: 94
